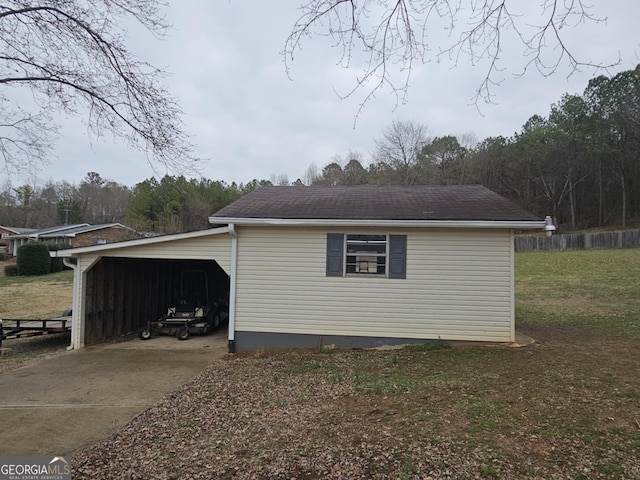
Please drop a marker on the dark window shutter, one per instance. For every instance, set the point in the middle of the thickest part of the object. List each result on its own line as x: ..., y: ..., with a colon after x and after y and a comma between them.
x: 397, y: 256
x: 335, y: 255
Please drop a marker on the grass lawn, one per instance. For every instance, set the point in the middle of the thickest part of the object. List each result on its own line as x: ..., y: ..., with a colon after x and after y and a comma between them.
x: 593, y: 290
x: 567, y: 407
x: 35, y: 296
x: 42, y: 296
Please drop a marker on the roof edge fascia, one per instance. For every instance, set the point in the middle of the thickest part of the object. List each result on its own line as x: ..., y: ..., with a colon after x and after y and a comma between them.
x: 62, y: 228
x: 16, y: 232
x: 98, y: 227
x: 510, y: 224
x: 72, y: 252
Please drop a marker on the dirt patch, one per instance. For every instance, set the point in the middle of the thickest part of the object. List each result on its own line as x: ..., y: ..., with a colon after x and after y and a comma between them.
x: 23, y: 352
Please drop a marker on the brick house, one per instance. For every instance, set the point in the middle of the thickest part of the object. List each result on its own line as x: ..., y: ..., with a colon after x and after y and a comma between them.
x: 78, y: 235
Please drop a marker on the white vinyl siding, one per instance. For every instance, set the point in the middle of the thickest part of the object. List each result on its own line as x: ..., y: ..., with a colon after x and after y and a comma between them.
x: 458, y: 286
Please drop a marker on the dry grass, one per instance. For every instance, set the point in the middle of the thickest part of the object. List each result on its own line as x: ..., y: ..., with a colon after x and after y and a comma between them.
x: 45, y: 296
x: 45, y: 299
x: 35, y: 297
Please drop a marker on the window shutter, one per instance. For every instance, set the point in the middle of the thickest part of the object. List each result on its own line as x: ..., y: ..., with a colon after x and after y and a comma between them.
x: 335, y: 255
x: 397, y: 256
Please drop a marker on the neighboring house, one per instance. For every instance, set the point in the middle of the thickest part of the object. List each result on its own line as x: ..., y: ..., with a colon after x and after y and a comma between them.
x: 78, y: 235
x: 6, y: 231
x: 17, y: 238
x: 324, y: 266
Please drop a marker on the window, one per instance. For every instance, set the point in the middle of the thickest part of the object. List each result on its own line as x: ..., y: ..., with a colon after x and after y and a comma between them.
x: 367, y: 254
x: 371, y: 254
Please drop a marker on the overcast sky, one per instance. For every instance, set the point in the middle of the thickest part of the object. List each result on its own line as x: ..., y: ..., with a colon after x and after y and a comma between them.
x: 252, y: 121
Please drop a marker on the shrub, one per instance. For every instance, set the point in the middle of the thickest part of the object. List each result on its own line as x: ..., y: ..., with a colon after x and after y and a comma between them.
x: 33, y: 259
x: 56, y: 263
x: 11, y: 270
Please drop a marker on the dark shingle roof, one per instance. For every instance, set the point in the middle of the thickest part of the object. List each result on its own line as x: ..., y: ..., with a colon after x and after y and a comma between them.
x: 450, y: 202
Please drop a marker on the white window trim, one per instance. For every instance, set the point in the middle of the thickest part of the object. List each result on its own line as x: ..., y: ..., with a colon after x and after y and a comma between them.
x: 346, y: 255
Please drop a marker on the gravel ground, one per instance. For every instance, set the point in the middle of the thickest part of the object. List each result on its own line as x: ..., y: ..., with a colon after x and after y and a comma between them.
x: 21, y: 352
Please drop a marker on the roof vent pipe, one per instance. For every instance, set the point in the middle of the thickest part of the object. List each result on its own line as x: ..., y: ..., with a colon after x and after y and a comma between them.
x: 549, y: 227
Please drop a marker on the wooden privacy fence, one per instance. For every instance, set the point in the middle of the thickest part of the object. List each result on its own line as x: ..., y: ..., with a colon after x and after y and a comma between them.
x: 578, y: 241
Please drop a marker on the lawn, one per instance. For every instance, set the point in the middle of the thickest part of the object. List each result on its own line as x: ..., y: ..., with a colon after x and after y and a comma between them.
x: 35, y: 296
x: 43, y: 296
x: 567, y: 407
x: 593, y: 290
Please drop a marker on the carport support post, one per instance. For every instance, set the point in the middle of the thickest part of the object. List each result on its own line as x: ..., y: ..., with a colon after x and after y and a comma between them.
x: 232, y: 288
x: 77, y: 323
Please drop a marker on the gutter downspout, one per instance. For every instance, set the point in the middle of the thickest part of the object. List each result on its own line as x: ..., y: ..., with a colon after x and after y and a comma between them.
x: 232, y: 288
x: 75, y: 312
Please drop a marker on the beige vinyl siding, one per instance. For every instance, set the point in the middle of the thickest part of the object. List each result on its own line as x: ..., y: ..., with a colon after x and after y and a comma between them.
x: 458, y: 286
x: 215, y: 247
x: 86, y: 261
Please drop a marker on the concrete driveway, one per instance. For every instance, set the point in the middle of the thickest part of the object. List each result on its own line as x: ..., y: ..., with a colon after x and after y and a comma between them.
x: 63, y: 403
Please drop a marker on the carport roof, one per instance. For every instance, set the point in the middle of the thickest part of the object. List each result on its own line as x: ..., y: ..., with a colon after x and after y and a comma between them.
x: 72, y: 252
x: 424, y: 204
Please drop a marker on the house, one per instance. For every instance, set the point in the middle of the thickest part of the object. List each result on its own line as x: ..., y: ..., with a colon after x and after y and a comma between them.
x: 7, y: 231
x: 324, y: 266
x: 77, y: 235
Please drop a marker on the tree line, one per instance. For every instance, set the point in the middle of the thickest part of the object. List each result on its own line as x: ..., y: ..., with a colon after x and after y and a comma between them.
x: 169, y: 205
x: 580, y: 163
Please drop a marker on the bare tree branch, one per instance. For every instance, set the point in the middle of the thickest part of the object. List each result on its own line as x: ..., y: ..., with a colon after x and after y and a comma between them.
x: 71, y: 57
x: 395, y: 36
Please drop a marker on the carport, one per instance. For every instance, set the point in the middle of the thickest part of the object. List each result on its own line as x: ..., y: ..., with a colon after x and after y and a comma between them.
x: 119, y: 287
